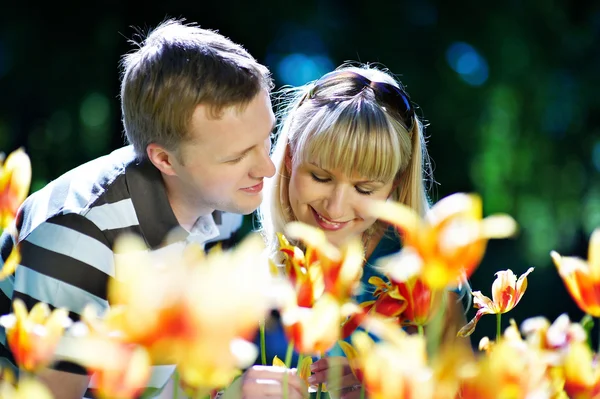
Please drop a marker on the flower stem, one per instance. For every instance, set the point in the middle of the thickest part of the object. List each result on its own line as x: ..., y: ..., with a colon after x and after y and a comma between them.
x: 288, y: 354
x: 300, y: 358
x: 362, y: 391
x: 599, y: 335
x: 175, y: 384
x: 319, y: 389
x: 420, y: 330
x: 498, y: 326
x: 263, y: 348
x: 288, y: 360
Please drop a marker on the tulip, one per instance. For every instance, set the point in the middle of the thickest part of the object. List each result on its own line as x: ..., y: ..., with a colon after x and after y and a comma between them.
x: 15, y: 179
x: 28, y: 388
x: 313, y: 330
x: 341, y: 268
x: 581, y: 277
x: 450, y: 241
x: 33, y: 336
x: 507, y: 291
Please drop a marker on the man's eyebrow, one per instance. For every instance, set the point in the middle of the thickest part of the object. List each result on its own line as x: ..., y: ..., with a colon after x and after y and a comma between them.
x: 243, y: 152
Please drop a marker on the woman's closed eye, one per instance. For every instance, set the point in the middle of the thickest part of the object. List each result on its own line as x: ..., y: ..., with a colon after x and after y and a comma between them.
x: 358, y: 189
x: 320, y: 179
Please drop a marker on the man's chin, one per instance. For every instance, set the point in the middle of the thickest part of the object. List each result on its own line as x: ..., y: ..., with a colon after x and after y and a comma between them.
x: 244, y: 207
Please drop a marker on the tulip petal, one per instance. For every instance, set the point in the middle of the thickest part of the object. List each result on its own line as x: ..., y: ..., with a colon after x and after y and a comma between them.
x: 469, y: 328
x: 481, y: 301
x: 402, y: 216
x: 277, y: 362
x: 498, y: 226
x: 594, y: 255
x: 11, y: 263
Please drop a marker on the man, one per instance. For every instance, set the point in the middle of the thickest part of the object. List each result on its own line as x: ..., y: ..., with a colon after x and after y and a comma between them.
x: 198, y: 117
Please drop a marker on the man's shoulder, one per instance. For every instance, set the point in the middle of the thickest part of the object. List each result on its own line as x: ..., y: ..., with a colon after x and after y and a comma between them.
x: 78, y: 190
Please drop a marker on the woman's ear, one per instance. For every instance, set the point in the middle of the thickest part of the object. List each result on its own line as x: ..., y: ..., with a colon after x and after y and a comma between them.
x: 288, y: 159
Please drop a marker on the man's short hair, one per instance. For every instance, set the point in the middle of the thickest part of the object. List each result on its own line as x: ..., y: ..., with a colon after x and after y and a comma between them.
x: 177, y: 67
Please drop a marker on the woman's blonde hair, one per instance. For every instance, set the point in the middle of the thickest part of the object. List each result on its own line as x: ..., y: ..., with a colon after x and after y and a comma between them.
x: 358, y: 120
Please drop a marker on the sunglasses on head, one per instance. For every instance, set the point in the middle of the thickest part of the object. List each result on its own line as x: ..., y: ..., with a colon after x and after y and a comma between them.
x: 393, y: 98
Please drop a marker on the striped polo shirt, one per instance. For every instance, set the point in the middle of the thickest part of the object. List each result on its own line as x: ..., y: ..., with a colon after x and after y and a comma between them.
x: 66, y: 233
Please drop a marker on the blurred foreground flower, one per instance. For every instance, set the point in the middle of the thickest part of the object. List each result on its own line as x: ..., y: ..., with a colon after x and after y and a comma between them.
x: 554, y: 340
x: 15, y: 179
x: 450, y: 241
x: 27, y: 389
x: 119, y: 369
x: 341, y: 268
x: 313, y: 330
x: 194, y: 310
x: 33, y: 336
x: 583, y: 278
x: 303, y: 368
x: 506, y: 294
x: 391, y: 369
x: 510, y: 369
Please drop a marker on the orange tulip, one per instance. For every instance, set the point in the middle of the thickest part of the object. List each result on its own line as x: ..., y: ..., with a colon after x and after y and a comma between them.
x: 506, y: 294
x: 411, y: 302
x: 33, y: 336
x: 303, y: 272
x: 581, y: 373
x: 341, y: 268
x: 118, y: 369
x: 450, y: 241
x: 15, y: 178
x: 583, y: 278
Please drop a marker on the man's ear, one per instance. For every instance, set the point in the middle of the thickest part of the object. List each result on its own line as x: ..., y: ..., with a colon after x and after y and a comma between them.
x: 161, y: 158
x: 288, y: 159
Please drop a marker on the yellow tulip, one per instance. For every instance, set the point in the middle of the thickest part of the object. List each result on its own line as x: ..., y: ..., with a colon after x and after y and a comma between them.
x: 27, y: 388
x: 393, y: 369
x: 449, y: 242
x: 303, y: 368
x: 15, y: 179
x: 33, y: 336
x: 11, y: 263
x: 581, y: 373
x: 581, y: 277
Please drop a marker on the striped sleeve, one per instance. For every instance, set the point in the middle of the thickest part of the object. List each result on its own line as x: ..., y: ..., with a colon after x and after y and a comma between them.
x: 65, y: 262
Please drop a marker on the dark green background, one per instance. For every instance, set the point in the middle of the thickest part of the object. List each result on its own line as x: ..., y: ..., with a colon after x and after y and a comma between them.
x: 527, y: 139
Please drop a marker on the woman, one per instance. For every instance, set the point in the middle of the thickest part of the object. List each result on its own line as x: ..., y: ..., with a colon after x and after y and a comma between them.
x: 351, y: 136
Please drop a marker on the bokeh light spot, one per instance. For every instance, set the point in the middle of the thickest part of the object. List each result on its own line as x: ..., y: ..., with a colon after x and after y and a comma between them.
x: 297, y: 68
x: 471, y: 67
x: 94, y: 110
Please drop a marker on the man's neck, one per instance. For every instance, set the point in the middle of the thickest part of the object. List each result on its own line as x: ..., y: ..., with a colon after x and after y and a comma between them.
x: 185, y: 211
